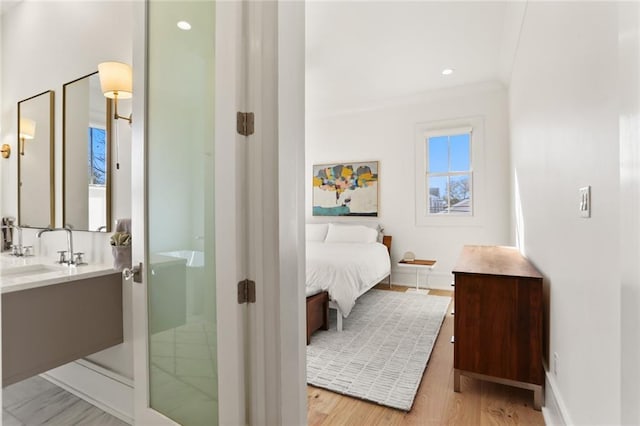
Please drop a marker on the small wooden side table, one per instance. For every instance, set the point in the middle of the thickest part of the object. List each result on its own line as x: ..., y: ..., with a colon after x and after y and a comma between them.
x: 419, y: 264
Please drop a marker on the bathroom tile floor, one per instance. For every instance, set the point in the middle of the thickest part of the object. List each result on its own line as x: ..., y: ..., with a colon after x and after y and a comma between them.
x: 35, y: 401
x: 183, y: 379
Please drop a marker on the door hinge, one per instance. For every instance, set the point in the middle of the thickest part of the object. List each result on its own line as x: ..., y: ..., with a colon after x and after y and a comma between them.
x: 245, y: 123
x: 246, y: 291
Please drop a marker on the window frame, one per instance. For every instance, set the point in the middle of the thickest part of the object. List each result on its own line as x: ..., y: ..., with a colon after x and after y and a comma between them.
x: 475, y: 127
x: 448, y: 174
x: 92, y: 156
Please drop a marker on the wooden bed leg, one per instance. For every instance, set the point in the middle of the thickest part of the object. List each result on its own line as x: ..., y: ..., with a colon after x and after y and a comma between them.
x: 317, y: 313
x: 325, y: 314
x: 386, y: 240
x: 339, y: 315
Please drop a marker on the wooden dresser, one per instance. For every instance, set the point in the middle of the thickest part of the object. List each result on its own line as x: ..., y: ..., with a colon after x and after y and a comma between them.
x: 498, y: 319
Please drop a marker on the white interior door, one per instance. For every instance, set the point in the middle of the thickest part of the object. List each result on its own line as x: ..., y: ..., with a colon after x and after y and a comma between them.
x: 187, y: 221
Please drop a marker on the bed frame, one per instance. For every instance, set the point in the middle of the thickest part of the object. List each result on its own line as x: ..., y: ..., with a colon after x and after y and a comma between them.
x: 317, y: 313
x: 318, y: 305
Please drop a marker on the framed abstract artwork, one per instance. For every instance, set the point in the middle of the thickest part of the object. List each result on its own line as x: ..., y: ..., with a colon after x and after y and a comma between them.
x: 345, y: 189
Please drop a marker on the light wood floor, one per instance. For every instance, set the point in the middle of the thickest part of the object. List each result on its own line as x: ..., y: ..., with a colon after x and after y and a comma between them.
x: 478, y: 403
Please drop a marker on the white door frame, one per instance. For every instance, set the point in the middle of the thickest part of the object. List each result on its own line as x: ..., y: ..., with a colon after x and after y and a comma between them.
x: 291, y: 131
x: 231, y: 247
x: 277, y: 321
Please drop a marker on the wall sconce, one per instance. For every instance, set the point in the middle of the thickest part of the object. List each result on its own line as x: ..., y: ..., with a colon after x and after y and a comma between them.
x: 27, y: 132
x: 6, y: 150
x: 116, y: 81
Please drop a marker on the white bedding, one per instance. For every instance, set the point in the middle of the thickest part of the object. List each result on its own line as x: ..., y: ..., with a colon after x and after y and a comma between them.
x: 345, y: 270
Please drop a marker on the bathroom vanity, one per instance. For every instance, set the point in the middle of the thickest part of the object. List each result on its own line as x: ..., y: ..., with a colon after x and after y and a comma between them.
x: 54, y: 314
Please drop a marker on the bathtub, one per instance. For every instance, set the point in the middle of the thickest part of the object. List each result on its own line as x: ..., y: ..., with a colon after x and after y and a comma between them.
x: 194, y: 258
x: 194, y: 280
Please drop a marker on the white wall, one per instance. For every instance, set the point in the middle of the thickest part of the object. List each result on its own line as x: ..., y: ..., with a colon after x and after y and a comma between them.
x: 44, y: 45
x: 386, y: 133
x: 629, y: 92
x: 564, y: 132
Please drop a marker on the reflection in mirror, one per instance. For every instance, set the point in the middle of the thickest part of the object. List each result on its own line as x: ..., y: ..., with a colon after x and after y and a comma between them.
x: 86, y: 146
x: 35, y: 162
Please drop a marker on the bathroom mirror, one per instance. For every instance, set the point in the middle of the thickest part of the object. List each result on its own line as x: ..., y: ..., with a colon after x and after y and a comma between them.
x: 35, y: 161
x: 86, y: 149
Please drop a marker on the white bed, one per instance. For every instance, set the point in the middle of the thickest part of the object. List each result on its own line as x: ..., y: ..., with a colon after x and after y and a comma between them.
x: 346, y: 263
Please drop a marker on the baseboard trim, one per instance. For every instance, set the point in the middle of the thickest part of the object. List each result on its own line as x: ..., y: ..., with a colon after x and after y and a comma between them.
x: 103, y: 388
x: 554, y: 411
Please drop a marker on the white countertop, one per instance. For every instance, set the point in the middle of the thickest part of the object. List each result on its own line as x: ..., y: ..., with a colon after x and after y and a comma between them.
x: 22, y: 273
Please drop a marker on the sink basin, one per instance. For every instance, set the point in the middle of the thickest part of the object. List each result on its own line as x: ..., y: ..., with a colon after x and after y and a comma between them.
x: 20, y: 271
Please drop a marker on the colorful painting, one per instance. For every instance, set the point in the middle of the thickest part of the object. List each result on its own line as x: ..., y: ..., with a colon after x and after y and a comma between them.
x: 345, y: 189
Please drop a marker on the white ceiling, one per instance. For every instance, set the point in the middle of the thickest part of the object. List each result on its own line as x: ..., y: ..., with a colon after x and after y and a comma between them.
x: 360, y: 53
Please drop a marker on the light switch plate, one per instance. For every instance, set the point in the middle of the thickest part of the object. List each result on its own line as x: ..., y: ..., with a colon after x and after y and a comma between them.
x: 585, y: 202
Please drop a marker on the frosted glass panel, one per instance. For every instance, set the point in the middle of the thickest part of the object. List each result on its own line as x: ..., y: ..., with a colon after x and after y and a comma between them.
x: 181, y: 284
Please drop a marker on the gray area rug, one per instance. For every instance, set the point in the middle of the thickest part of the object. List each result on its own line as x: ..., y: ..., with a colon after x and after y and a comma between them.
x: 383, y: 350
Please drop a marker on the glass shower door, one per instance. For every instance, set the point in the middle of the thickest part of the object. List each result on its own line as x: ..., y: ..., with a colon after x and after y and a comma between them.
x: 181, y: 250
x: 180, y: 343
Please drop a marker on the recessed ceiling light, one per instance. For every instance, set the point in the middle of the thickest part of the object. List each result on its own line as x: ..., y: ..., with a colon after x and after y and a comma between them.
x: 184, y: 25
x: 447, y: 71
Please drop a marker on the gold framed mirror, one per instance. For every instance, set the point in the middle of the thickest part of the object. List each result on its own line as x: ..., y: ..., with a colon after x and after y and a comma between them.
x: 36, y: 204
x: 86, y: 158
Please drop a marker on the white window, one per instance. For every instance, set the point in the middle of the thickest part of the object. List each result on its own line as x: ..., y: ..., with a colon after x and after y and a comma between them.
x: 448, y: 177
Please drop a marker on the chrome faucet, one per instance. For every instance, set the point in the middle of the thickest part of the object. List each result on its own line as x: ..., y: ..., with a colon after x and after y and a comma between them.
x: 19, y: 231
x: 70, y: 261
x: 16, y: 249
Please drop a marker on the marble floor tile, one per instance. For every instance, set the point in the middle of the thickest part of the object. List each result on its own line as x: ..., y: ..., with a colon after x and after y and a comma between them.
x: 167, y: 364
x: 164, y: 336
x: 43, y: 407
x: 198, y: 410
x: 191, y: 326
x: 93, y: 417
x: 191, y: 337
x: 9, y: 420
x: 24, y: 390
x: 206, y: 385
x: 171, y: 395
x: 192, y: 350
x: 195, y: 367
x: 160, y: 348
x: 36, y: 401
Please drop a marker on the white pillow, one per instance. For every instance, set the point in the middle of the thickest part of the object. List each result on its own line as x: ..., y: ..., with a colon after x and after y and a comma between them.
x: 374, y: 225
x: 316, y: 231
x: 350, y: 234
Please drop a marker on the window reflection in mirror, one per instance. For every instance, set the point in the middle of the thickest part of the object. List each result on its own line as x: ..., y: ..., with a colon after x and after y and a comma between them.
x: 86, y: 169
x: 35, y: 161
